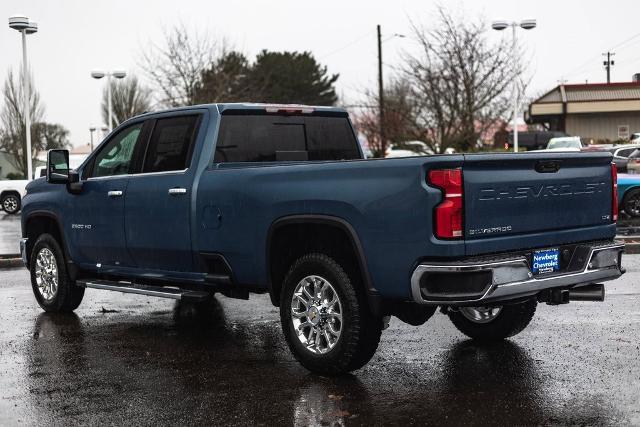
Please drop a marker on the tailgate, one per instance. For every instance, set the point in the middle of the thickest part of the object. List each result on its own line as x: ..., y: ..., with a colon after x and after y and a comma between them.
x: 511, y: 195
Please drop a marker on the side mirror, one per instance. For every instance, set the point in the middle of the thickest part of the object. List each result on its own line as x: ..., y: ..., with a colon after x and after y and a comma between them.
x: 58, y: 167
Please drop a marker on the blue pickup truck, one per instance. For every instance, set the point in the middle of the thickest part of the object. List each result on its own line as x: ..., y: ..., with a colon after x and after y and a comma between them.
x: 252, y: 198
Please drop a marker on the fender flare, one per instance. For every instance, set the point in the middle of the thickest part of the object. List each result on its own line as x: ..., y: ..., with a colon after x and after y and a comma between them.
x: 71, y: 267
x: 372, y: 294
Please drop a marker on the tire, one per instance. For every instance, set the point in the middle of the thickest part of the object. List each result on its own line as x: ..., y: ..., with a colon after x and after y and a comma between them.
x: 359, y: 330
x: 631, y: 203
x: 11, y: 203
x: 507, y: 321
x: 48, y: 268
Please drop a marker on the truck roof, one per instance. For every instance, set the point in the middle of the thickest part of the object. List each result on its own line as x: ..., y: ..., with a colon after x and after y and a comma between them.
x: 246, y: 106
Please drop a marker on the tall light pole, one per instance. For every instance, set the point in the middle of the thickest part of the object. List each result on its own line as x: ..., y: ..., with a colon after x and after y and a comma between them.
x: 119, y: 74
x: 527, y: 24
x: 92, y: 129
x: 383, y: 144
x: 21, y: 23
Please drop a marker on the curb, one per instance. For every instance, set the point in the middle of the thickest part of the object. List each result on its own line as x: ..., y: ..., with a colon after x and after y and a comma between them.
x: 631, y: 244
x: 10, y: 261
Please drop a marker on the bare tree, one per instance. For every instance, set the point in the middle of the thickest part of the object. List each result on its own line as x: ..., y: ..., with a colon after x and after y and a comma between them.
x: 12, y: 137
x: 399, y: 117
x: 459, y: 81
x: 176, y: 66
x: 128, y: 98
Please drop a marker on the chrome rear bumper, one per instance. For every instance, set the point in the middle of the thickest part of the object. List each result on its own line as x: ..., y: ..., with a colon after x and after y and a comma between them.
x: 511, y: 278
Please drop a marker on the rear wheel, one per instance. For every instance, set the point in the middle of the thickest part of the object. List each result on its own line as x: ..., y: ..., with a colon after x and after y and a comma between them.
x: 325, y: 317
x: 493, y: 323
x: 631, y: 203
x: 11, y: 203
x: 52, y: 287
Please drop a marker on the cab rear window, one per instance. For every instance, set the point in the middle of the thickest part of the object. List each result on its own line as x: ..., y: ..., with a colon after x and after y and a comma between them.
x: 267, y: 138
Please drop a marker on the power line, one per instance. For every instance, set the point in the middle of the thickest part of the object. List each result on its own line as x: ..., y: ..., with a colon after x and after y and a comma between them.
x: 351, y: 43
x: 591, y: 60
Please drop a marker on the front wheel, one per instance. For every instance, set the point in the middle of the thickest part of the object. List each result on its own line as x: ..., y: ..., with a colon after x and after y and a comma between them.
x: 52, y: 287
x: 11, y: 203
x: 325, y: 317
x: 493, y: 323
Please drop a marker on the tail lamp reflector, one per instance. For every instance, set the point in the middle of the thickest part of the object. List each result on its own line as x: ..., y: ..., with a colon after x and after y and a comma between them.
x: 614, y: 192
x: 448, y: 214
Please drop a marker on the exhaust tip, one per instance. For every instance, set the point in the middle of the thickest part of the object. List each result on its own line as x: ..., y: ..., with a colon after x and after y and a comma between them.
x: 593, y: 292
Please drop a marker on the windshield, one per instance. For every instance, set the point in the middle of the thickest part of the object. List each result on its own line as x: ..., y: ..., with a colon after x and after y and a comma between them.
x: 564, y: 143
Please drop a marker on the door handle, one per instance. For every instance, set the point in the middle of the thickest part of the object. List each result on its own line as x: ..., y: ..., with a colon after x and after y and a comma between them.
x: 177, y: 191
x: 114, y: 193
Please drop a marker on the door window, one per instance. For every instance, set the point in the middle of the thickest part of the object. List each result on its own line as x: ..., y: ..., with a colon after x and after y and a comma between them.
x: 115, y: 157
x: 170, y: 144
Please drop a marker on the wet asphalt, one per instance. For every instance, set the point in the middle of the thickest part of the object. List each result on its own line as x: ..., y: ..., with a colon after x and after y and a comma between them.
x: 128, y: 359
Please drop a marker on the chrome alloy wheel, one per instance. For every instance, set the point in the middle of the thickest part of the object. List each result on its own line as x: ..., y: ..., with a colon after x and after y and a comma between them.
x: 10, y: 204
x: 480, y: 314
x: 316, y: 313
x: 46, y: 274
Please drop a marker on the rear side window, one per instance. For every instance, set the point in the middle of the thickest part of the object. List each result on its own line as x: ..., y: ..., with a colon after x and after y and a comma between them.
x: 625, y: 152
x: 170, y: 144
x: 265, y: 138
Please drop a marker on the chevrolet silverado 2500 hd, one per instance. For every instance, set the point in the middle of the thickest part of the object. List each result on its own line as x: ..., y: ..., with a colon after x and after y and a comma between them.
x: 242, y: 198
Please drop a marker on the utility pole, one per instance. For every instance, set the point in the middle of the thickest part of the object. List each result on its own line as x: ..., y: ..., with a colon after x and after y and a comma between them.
x: 383, y: 142
x: 607, y: 64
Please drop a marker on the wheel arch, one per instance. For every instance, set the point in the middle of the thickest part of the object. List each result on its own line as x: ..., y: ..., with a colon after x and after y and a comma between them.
x: 41, y: 222
x: 311, y: 222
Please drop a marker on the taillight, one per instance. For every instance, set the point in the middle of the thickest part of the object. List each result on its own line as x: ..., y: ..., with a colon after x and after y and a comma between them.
x: 614, y: 192
x: 448, y: 214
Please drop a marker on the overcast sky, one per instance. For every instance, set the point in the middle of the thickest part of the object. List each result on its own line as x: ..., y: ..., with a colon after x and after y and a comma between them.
x: 77, y: 36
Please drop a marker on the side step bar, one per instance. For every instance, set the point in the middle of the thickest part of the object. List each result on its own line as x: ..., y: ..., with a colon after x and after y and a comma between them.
x: 154, y: 291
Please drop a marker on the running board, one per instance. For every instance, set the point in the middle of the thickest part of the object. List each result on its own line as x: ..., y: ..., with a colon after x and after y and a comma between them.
x: 154, y: 291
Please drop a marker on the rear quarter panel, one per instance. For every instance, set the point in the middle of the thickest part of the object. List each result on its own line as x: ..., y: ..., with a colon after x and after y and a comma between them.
x: 387, y: 202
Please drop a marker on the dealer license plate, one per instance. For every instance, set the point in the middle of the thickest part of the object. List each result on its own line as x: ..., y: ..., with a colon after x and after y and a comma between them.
x: 545, y: 261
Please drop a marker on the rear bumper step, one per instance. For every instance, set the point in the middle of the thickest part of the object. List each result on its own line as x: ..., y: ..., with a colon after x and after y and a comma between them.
x: 473, y: 283
x: 154, y: 291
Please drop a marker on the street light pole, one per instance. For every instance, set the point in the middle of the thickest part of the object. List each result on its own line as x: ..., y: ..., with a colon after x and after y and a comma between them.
x: 92, y: 129
x: 21, y: 23
x: 109, y: 103
x: 98, y: 74
x: 527, y: 24
x: 514, y: 52
x: 383, y: 142
x: 27, y: 111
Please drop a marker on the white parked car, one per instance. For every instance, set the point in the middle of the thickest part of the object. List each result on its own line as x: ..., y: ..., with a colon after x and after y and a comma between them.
x: 635, y: 138
x: 11, y: 194
x: 565, y: 143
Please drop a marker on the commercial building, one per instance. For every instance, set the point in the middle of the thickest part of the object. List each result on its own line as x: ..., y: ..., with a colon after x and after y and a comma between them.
x: 597, y: 112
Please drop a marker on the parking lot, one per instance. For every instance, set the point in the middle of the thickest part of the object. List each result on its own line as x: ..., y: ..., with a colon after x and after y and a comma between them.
x: 126, y: 358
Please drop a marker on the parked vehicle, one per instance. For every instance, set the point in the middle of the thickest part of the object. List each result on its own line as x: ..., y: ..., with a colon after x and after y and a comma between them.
x: 633, y: 162
x: 629, y: 194
x: 242, y: 198
x: 529, y: 140
x: 635, y: 138
x: 11, y: 194
x: 621, y: 155
x: 565, y: 143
